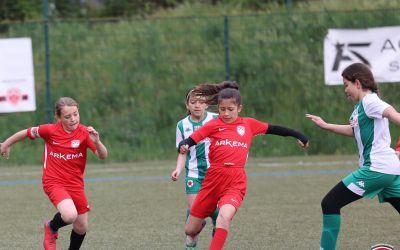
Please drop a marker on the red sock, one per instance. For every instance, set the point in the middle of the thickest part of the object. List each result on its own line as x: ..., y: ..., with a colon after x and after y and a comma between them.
x: 219, y: 239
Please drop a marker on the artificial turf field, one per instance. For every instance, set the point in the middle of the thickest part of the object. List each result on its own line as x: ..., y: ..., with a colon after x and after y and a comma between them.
x: 136, y: 206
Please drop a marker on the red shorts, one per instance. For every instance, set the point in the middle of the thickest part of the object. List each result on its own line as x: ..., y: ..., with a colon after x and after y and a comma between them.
x: 222, y: 185
x: 57, y: 193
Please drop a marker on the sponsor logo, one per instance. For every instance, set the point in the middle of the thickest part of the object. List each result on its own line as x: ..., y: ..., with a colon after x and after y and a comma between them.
x: 360, y: 183
x: 66, y: 157
x: 75, y: 143
x: 190, y: 183
x: 55, y: 143
x: 382, y: 247
x: 234, y: 200
x: 221, y: 129
x: 241, y: 130
x: 353, y: 121
x: 14, y: 96
x: 231, y: 144
x: 354, y: 52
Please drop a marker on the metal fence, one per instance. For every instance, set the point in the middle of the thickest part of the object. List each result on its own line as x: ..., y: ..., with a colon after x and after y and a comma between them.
x: 134, y: 72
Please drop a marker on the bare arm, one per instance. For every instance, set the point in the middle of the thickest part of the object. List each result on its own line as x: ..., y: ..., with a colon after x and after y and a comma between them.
x: 392, y: 115
x: 180, y: 164
x: 101, y: 150
x: 5, y: 146
x: 336, y: 128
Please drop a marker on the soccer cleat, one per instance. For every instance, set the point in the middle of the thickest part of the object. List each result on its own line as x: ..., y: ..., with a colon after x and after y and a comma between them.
x: 191, y: 242
x: 50, y: 238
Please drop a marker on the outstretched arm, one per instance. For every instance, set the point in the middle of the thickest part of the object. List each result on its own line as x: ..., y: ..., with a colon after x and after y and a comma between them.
x: 283, y: 131
x: 5, y: 146
x: 336, y: 128
x: 392, y: 115
x: 180, y: 164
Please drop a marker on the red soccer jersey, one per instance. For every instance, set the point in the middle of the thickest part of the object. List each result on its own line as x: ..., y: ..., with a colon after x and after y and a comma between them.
x: 64, y: 156
x: 230, y: 142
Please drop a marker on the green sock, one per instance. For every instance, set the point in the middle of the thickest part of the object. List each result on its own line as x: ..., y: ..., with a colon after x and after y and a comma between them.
x: 330, y: 231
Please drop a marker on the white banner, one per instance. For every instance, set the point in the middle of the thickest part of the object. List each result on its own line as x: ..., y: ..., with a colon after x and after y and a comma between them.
x: 17, y: 87
x: 377, y: 47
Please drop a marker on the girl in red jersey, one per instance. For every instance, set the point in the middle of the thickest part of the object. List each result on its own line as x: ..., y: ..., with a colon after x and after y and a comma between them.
x: 64, y: 161
x: 225, y: 182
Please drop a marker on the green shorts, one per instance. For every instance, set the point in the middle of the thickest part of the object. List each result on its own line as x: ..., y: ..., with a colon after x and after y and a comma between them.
x: 368, y: 183
x: 192, y: 185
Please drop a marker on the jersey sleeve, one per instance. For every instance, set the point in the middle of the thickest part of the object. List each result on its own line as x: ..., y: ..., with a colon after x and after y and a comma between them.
x: 257, y: 127
x: 179, y: 133
x: 203, y: 131
x: 91, y: 144
x: 373, y: 106
x: 41, y: 131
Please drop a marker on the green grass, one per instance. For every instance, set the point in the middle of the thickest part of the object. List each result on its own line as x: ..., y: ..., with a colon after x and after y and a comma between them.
x: 279, y: 212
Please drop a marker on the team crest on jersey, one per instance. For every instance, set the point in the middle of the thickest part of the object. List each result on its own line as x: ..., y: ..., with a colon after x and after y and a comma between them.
x: 354, y: 119
x: 241, y: 130
x: 190, y: 183
x: 75, y: 143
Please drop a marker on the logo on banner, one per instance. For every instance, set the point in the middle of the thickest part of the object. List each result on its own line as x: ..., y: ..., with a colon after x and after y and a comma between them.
x: 353, y: 49
x: 14, y: 96
x: 378, y: 48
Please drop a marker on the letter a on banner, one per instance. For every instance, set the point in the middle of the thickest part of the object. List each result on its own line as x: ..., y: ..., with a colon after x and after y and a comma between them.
x: 379, y: 48
x: 17, y: 87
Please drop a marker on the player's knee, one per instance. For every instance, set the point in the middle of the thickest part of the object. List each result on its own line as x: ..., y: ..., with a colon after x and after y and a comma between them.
x: 81, y: 227
x: 223, y: 220
x: 328, y: 206
x: 69, y: 216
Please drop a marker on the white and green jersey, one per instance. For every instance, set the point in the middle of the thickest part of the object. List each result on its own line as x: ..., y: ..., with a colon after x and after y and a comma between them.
x: 197, y: 161
x: 372, y: 134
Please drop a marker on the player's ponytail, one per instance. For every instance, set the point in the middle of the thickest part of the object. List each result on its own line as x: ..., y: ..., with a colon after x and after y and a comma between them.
x: 211, y: 90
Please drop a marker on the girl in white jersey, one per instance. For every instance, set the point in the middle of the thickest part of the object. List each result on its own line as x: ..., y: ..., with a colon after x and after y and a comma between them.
x: 196, y: 160
x: 379, y: 167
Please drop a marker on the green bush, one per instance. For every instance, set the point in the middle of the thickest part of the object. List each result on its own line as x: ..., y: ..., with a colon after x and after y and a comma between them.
x: 130, y: 77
